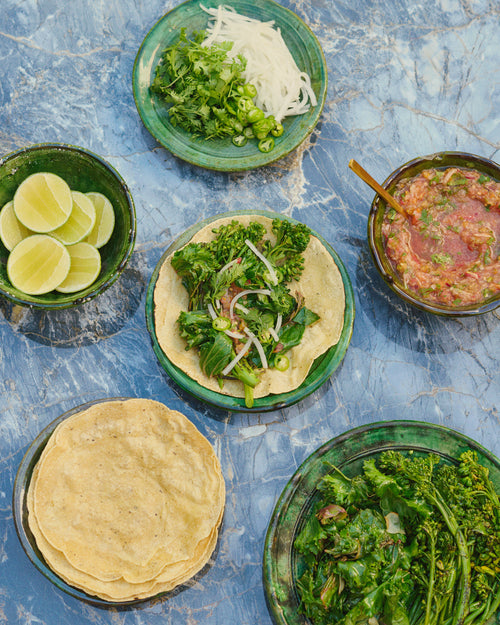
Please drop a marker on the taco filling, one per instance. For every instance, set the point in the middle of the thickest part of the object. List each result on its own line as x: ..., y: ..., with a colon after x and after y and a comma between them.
x: 249, y: 305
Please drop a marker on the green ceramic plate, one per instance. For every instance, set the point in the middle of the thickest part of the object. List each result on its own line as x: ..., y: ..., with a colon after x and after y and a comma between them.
x: 282, y: 565
x: 321, y: 370
x: 221, y: 154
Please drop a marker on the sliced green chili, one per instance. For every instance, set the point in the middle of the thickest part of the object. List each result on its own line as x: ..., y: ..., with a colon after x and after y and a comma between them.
x: 266, y: 145
x: 255, y: 115
x: 250, y: 90
x: 281, y: 363
x: 221, y: 323
x: 239, y: 140
x: 277, y: 131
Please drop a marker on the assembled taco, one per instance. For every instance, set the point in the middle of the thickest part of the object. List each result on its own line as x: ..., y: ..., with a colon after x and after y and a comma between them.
x: 248, y: 304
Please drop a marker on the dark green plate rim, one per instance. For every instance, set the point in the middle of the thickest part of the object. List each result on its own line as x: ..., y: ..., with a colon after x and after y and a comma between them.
x: 280, y: 562
x: 322, y: 368
x: 221, y: 154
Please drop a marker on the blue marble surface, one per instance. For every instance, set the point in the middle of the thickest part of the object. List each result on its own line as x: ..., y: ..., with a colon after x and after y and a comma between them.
x: 405, y: 79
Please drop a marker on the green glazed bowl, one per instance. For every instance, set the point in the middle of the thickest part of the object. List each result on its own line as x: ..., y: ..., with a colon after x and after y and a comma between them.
x: 282, y: 565
x: 322, y: 368
x: 221, y: 154
x: 440, y: 160
x: 83, y: 171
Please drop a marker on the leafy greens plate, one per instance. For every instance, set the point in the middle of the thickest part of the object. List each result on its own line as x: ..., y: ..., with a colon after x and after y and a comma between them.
x: 221, y: 154
x: 322, y: 368
x: 282, y: 565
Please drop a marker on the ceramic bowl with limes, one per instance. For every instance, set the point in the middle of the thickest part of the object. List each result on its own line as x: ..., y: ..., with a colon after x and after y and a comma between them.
x: 67, y: 225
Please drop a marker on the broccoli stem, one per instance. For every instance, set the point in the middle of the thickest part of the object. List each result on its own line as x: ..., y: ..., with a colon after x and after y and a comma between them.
x: 434, y: 497
x: 248, y: 396
x: 432, y: 575
x: 495, y: 605
x: 246, y: 375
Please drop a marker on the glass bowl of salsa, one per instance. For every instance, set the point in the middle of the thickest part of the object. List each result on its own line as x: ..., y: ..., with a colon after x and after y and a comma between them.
x: 443, y: 254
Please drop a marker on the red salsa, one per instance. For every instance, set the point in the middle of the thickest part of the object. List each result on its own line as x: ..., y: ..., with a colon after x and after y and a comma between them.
x: 447, y: 247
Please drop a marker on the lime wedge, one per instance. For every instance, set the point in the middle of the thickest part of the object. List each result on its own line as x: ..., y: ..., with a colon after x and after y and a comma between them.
x: 38, y: 264
x: 85, y: 267
x: 11, y: 229
x: 80, y: 223
x: 43, y: 202
x: 105, y: 220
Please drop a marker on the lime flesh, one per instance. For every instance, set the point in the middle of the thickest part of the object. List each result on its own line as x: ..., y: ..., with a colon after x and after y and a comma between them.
x: 12, y: 230
x: 38, y: 264
x: 43, y: 202
x: 85, y: 267
x: 80, y: 222
x: 105, y: 220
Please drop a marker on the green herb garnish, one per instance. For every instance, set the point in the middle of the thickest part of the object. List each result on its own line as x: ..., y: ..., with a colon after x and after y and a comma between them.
x: 425, y: 217
x: 442, y: 258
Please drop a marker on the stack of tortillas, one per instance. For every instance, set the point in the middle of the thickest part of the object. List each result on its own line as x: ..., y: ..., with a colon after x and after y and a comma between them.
x: 126, y: 500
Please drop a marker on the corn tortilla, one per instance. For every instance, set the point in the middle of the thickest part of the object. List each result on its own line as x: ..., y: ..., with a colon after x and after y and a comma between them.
x: 126, y: 499
x: 119, y: 589
x: 320, y: 284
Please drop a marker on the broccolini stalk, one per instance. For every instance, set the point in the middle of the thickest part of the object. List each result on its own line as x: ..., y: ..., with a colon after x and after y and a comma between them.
x: 435, y: 498
x: 430, y: 530
x: 495, y: 605
x: 243, y: 371
x: 420, y: 472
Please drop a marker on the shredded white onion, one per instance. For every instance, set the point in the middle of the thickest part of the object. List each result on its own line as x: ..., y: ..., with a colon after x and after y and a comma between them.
x: 282, y: 89
x: 229, y: 367
x: 270, y: 268
x: 242, y: 294
x: 260, y: 349
x: 212, y: 312
x: 229, y: 264
x: 243, y: 309
x: 274, y: 334
x: 279, y: 321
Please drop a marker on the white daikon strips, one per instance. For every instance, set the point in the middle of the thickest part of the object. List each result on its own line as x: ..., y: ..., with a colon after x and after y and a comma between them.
x: 282, y: 88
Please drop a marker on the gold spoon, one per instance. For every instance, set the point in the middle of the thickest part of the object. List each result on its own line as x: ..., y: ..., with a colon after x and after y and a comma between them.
x: 365, y: 176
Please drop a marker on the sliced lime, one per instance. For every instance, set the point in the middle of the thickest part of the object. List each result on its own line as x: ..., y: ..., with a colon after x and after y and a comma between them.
x: 105, y: 220
x: 38, y: 264
x: 12, y: 230
x: 43, y: 202
x: 80, y: 222
x: 85, y: 267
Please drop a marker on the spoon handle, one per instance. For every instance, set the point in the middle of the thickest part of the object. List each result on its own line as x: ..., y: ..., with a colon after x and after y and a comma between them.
x: 365, y: 176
